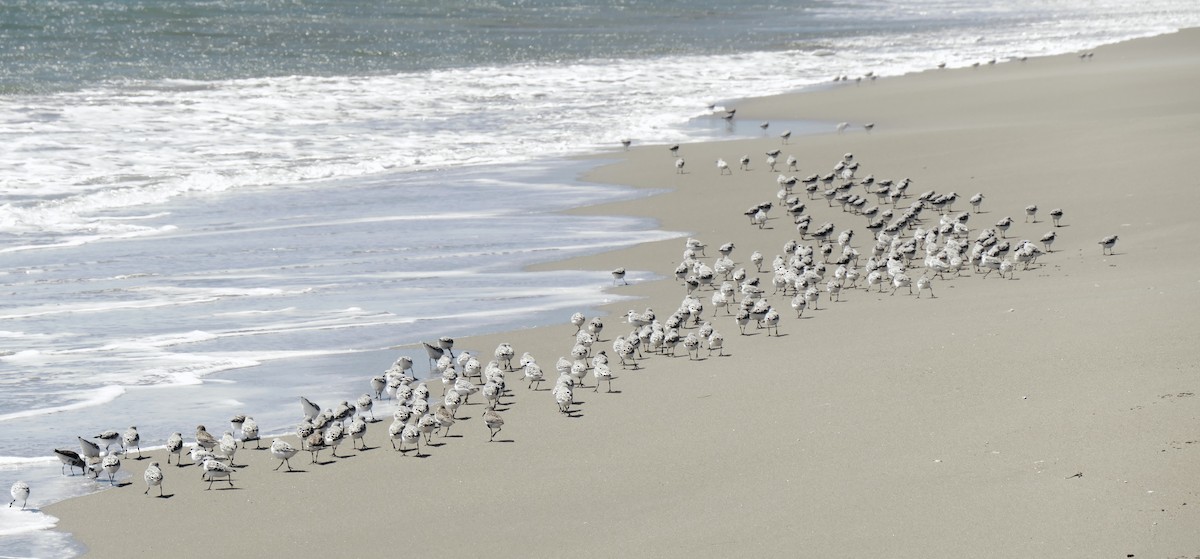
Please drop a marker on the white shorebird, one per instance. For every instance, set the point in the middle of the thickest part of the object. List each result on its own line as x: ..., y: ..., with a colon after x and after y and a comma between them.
x: 250, y: 433
x: 70, y: 458
x: 625, y: 143
x: 1055, y: 215
x: 674, y: 149
x: 310, y: 409
x: 1003, y: 226
x: 504, y: 353
x: 564, y: 397
x: 744, y: 163
x: 870, y: 125
x: 679, y: 165
x: 174, y: 446
x: 618, y: 274
x: 1048, y: 239
x: 358, y: 428
x: 283, y: 451
x: 578, y: 320
x: 226, y: 447
x: 494, y: 423
x: 19, y: 492
x: 410, y: 435
x: 334, y: 436
x: 602, y: 373
x: 976, y: 201
x: 1107, y: 243
x: 723, y: 167
x: 109, y: 438
x: 365, y: 404
x: 214, y: 469
x: 842, y: 126
x: 131, y: 439
x: 785, y: 136
x: 533, y: 373
x: 1031, y: 213
x: 792, y: 163
x: 924, y: 283
x: 204, y: 439
x: 444, y: 418
x: 153, y: 477
x: 901, y: 280
x: 111, y: 465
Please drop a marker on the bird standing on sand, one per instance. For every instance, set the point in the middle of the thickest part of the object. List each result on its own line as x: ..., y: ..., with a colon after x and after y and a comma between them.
x: 785, y: 135
x: 214, y: 469
x: 1031, y: 213
x: 250, y: 432
x: 975, y: 201
x: 674, y: 149
x: 1056, y: 214
x: 679, y: 165
x: 204, y: 439
x: 131, y: 439
x: 282, y: 451
x: 723, y: 167
x: 19, y: 492
x: 153, y: 477
x: 88, y: 448
x: 625, y: 142
x: 619, y: 275
x: 109, y: 438
x: 493, y: 421
x: 111, y: 466
x: 1106, y: 244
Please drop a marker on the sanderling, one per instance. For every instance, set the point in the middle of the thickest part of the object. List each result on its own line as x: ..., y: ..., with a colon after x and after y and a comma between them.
x: 236, y: 422
x: 378, y: 385
x: 674, y: 149
x: 19, y: 492
x: 358, y: 428
x: 204, y: 439
x: 494, y: 423
x: 564, y: 397
x: 625, y: 143
x: 723, y: 167
x: 1031, y: 213
x: 1003, y: 226
x: 504, y: 353
x: 1056, y: 214
x: 283, y: 452
x: 109, y: 438
x: 226, y: 447
x: 411, y: 434
x: 618, y: 274
x: 130, y: 439
x: 174, y: 446
x: 679, y: 165
x: 153, y: 477
x: 333, y: 437
x: 870, y: 125
x: 1048, y: 239
x: 901, y: 280
x: 111, y: 465
x: 785, y: 135
x: 214, y: 469
x: 310, y: 409
x: 70, y: 458
x: 533, y: 372
x: 1106, y: 244
x: 924, y: 283
x: 976, y: 201
x: 250, y: 432
x: 578, y: 319
x: 365, y: 404
x: 314, y: 443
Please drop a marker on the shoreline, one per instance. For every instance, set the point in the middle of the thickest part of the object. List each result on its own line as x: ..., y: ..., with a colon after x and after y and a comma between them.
x: 671, y: 510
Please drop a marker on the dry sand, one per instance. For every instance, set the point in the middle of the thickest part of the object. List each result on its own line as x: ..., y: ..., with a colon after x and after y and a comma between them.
x: 1047, y: 416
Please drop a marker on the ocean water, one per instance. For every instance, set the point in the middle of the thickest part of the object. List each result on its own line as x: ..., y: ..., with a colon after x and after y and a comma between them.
x: 207, y: 207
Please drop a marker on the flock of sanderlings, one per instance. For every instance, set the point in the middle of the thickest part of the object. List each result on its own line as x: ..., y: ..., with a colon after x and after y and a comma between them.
x: 912, y: 234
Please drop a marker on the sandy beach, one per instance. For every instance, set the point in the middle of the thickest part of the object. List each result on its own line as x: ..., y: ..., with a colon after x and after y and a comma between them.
x: 1049, y: 415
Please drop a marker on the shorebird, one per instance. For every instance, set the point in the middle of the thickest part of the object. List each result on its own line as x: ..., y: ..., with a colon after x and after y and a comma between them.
x: 1106, y: 244
x: 109, y: 438
x: 563, y: 397
x: 901, y: 280
x: 494, y: 423
x: 334, y: 436
x: 533, y: 373
x: 226, y: 447
x: 70, y: 458
x: 619, y: 275
x: 358, y: 428
x: 1003, y: 226
x: 363, y: 405
x: 19, y: 492
x: 131, y: 439
x: 785, y: 135
x: 153, y: 477
x: 743, y: 164
x: 1031, y: 213
x: 410, y: 435
x: 975, y: 201
x: 204, y: 439
x: 174, y: 446
x: 723, y: 167
x: 842, y: 126
x: 311, y: 410
x: 924, y: 283
x: 282, y: 451
x: 625, y: 142
x: 792, y: 164
x: 444, y: 418
x: 214, y: 469
x: 111, y: 465
x: 674, y: 149
x: 1056, y: 214
x: 870, y: 125
x: 88, y: 449
x: 1048, y: 239
x: 679, y: 165
x: 250, y: 433
x: 764, y: 126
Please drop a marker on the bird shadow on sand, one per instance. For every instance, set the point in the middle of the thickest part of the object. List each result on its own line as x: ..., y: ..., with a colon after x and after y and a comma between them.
x: 574, y: 414
x: 227, y: 488
x: 502, y: 441
x: 122, y: 483
x: 294, y: 471
x: 325, y: 462
x: 164, y: 496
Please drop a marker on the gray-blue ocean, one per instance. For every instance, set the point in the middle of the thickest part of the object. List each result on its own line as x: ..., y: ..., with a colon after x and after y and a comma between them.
x: 207, y: 206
